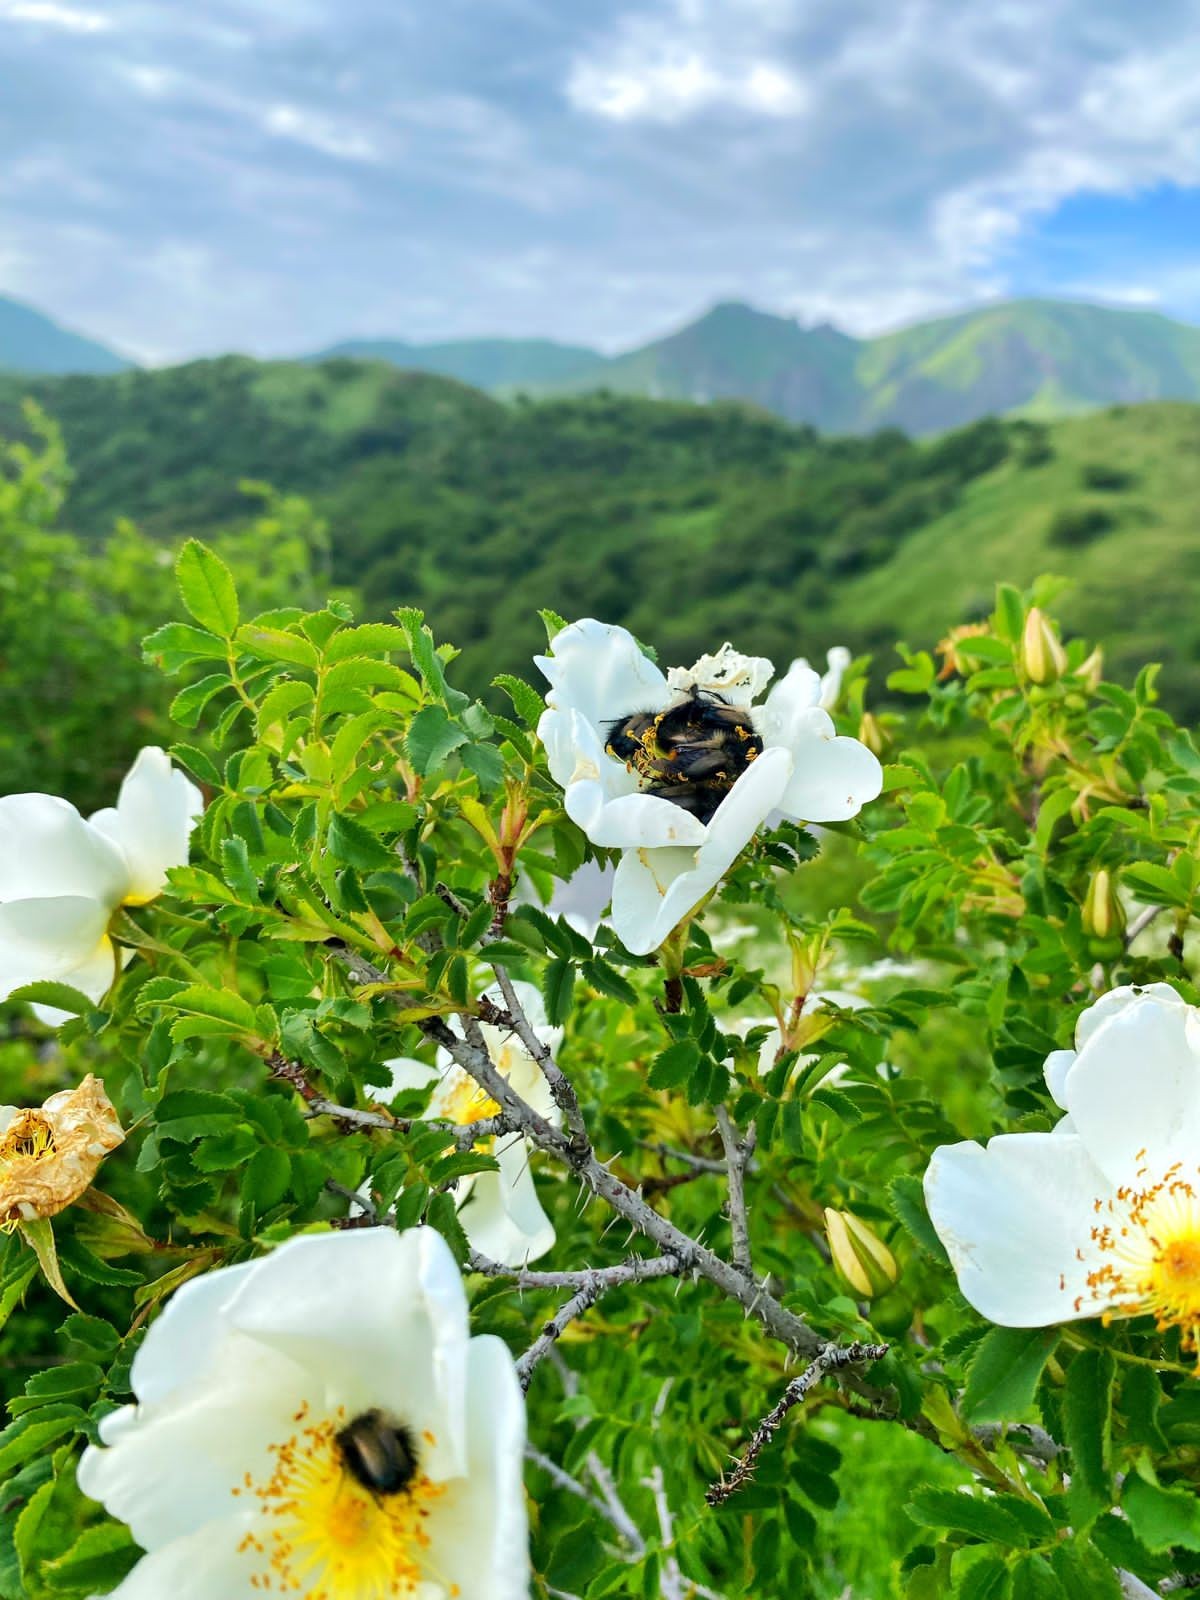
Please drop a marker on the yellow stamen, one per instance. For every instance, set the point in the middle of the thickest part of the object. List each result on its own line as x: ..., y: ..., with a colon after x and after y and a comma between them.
x: 327, y: 1537
x: 1149, y: 1243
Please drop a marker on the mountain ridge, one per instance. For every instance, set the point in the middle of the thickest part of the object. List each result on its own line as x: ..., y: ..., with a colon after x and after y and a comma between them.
x: 31, y: 342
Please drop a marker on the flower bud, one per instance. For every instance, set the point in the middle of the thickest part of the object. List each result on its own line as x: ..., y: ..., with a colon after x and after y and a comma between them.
x: 859, y: 1255
x: 1103, y: 913
x: 1089, y: 672
x: 1043, y: 659
x: 871, y: 734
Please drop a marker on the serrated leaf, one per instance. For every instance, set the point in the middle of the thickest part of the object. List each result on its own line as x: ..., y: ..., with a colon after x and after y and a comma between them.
x: 207, y: 588
x: 59, y: 995
x: 950, y: 1511
x: 527, y: 702
x: 1161, y: 1518
x: 348, y: 841
x: 908, y: 1203
x: 431, y: 738
x: 187, y: 705
x: 38, y: 1234
x: 267, y: 1177
x: 369, y: 638
x: 674, y: 1066
x: 277, y: 644
x: 98, y: 1560
x: 1087, y: 1429
x: 1004, y: 1373
x: 558, y: 983
x: 986, y: 1579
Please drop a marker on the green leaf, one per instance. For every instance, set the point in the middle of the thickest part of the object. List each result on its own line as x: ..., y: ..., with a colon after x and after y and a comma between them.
x: 1084, y: 1573
x: 985, y: 1579
x: 59, y: 995
x: 187, y: 705
x: 552, y: 622
x: 674, y: 1066
x: 198, y: 764
x: 949, y: 1510
x: 207, y: 588
x: 1087, y: 1426
x: 430, y: 739
x: 348, y: 841
x: 527, y: 702
x: 276, y: 644
x: 371, y: 638
x: 29, y: 1435
x: 267, y: 1177
x: 221, y: 1005
x: 558, y: 983
x: 38, y: 1234
x: 1033, y: 1578
x: 908, y: 1202
x: 1004, y: 1373
x: 173, y: 645
x: 98, y: 1560
x: 1162, y: 1518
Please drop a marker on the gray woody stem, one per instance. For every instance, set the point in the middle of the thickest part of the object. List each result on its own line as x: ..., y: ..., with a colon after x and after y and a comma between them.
x: 595, y: 1284
x: 737, y: 1154
x: 828, y: 1359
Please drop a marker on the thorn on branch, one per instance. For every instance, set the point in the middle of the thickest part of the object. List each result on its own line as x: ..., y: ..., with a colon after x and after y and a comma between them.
x: 828, y: 1359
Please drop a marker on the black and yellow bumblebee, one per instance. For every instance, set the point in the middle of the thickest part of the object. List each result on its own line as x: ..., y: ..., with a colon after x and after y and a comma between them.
x: 378, y: 1454
x: 691, y: 754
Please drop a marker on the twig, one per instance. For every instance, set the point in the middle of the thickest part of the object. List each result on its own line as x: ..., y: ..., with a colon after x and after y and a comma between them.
x: 1026, y: 1438
x: 638, y: 1269
x: 368, y: 1209
x: 670, y: 1152
x: 828, y: 1359
x: 737, y: 1153
x: 596, y: 1285
x: 1181, y: 1581
x: 1132, y: 1588
x: 561, y: 1090
x: 1141, y: 922
x: 559, y: 1475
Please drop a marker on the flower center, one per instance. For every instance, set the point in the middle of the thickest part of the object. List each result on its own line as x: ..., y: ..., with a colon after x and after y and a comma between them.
x: 464, y: 1101
x: 1149, y: 1242
x: 691, y: 754
x: 325, y: 1533
x: 28, y: 1144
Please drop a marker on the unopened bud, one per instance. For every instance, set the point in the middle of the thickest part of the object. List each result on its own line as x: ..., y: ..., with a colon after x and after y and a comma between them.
x: 871, y: 734
x: 1091, y: 670
x: 859, y: 1255
x: 1043, y: 659
x: 1103, y: 913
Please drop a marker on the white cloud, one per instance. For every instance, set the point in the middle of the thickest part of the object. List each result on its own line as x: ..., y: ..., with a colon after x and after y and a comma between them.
x: 319, y: 132
x: 53, y: 14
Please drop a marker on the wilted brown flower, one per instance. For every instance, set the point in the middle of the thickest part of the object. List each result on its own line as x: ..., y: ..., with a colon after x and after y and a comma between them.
x: 49, y: 1157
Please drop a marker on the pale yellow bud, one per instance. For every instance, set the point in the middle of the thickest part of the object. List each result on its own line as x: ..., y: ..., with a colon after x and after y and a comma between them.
x: 1103, y: 913
x: 871, y: 734
x: 1043, y: 659
x: 1091, y: 670
x: 860, y: 1256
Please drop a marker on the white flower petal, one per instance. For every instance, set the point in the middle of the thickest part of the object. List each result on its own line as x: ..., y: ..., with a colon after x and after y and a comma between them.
x: 407, y: 1073
x: 502, y: 1215
x: 1134, y: 1088
x: 62, y: 938
x: 833, y: 776
x: 798, y: 691
x: 1127, y: 996
x: 382, y: 1316
x: 185, y: 1336
x: 837, y: 659
x: 1057, y: 1064
x: 653, y: 890
x: 206, y: 1565
x: 48, y: 850
x: 152, y: 821
x: 735, y: 678
x: 174, y: 1466
x: 1015, y: 1218
x: 481, y: 1524
x: 599, y: 671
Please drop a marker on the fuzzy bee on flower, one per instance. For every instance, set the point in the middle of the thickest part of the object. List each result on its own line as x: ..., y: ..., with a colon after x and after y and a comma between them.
x: 679, y: 771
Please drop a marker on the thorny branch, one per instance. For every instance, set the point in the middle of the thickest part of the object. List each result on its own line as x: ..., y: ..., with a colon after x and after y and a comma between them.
x: 828, y: 1359
x: 737, y: 1153
x: 594, y: 1286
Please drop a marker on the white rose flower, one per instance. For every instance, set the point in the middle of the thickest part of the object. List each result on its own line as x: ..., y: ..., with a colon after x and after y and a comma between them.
x: 501, y: 1214
x: 319, y: 1423
x: 61, y: 877
x: 687, y: 797
x: 1101, y: 1216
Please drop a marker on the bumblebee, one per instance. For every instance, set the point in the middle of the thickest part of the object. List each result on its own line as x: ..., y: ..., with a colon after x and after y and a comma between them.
x: 691, y: 754
x: 378, y: 1454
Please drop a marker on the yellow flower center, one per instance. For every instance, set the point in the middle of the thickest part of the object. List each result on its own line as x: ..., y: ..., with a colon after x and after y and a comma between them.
x: 28, y: 1143
x: 1149, y: 1241
x: 463, y: 1101
x: 326, y: 1536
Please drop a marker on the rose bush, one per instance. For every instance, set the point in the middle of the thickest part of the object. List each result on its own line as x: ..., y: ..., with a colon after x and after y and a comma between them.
x: 828, y: 1195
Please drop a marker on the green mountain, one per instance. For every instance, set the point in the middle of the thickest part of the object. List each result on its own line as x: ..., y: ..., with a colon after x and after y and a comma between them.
x: 31, y: 342
x: 1038, y: 358
x: 495, y: 364
x: 691, y: 524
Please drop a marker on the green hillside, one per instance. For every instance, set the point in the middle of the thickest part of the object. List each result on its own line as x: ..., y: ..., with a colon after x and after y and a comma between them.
x: 31, y: 342
x: 689, y: 523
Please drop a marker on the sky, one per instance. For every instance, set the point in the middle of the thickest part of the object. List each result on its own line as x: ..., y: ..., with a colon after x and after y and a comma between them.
x: 205, y: 175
